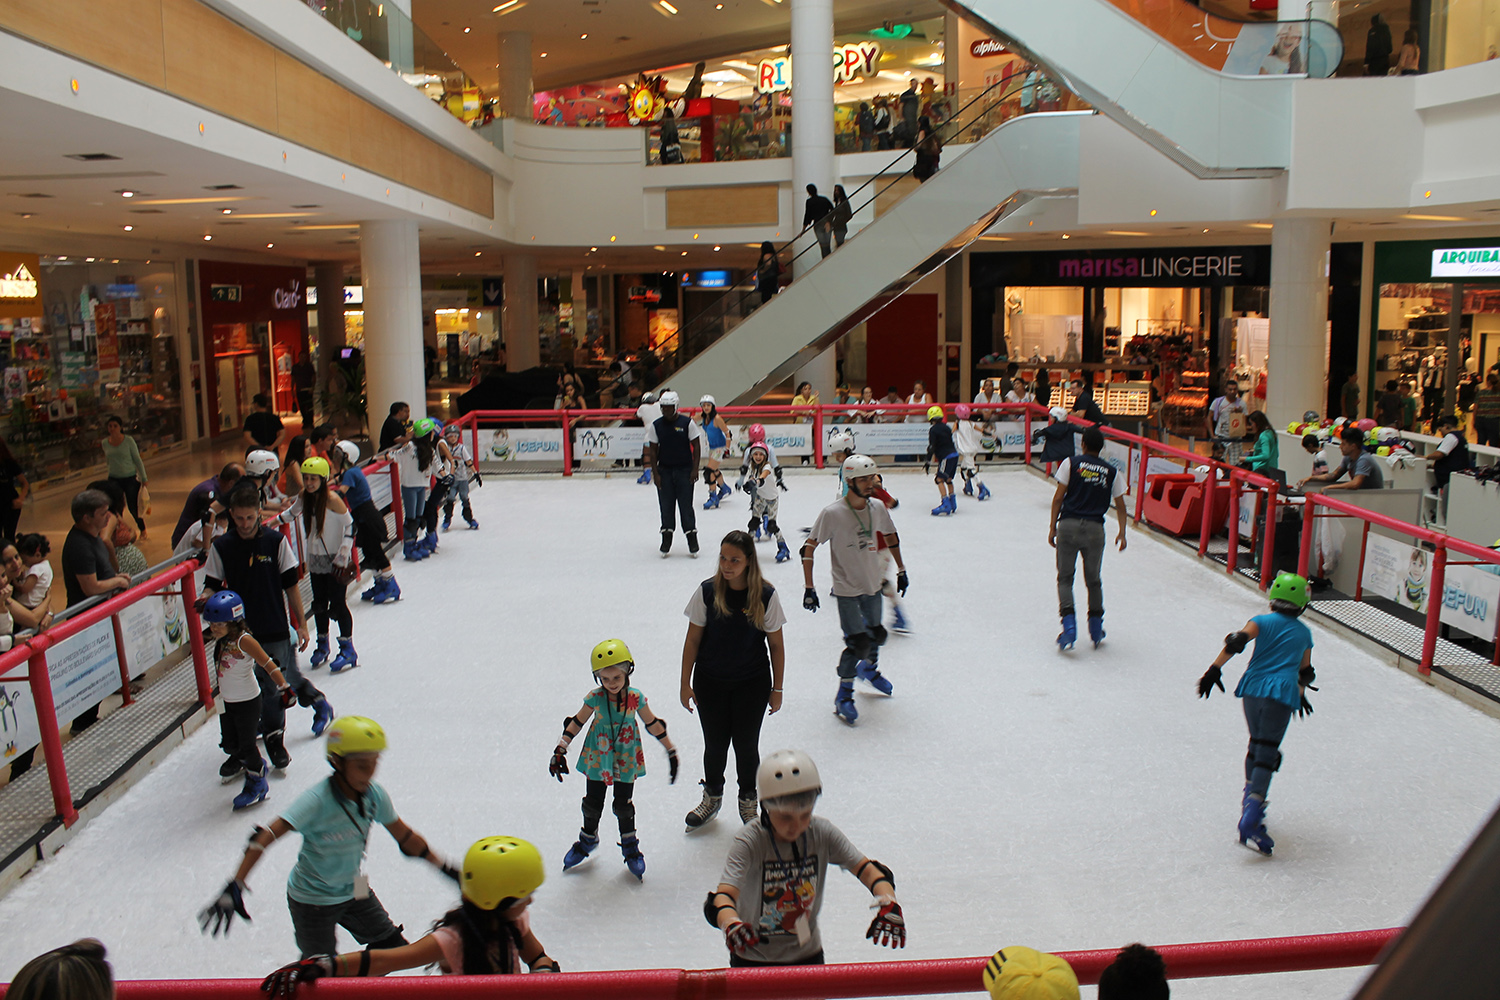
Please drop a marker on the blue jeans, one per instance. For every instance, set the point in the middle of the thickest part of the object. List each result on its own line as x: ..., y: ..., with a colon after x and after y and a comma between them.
x: 459, y: 492
x: 413, y: 502
x: 859, y: 617
x: 1267, y: 720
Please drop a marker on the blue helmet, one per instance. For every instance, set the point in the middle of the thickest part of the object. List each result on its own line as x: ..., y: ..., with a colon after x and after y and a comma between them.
x: 224, y: 606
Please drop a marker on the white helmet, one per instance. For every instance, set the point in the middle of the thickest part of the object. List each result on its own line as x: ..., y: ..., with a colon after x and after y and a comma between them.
x: 648, y: 398
x: 840, y: 441
x: 259, y: 462
x: 859, y: 465
x: 1058, y: 413
x: 350, y: 451
x: 785, y: 773
x: 669, y: 398
x: 707, y: 399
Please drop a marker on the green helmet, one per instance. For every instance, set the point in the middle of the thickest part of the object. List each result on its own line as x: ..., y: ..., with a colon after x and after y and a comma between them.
x: 1290, y: 587
x: 423, y: 427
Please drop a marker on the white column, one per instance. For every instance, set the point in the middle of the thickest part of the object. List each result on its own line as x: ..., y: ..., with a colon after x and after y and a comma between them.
x: 1299, y: 318
x: 515, y: 75
x: 812, y: 144
x: 518, y: 318
x: 390, y: 262
x: 330, y: 283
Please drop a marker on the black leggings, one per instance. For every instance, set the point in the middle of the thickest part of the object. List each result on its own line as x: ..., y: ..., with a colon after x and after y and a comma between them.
x: 131, y: 487
x: 330, y: 599
x: 435, y: 498
x: 369, y: 535
x: 731, y: 712
x: 237, y: 727
x: 624, y: 808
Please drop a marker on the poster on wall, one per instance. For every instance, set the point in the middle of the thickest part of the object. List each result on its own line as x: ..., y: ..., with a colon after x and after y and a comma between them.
x: 520, y: 444
x: 1471, y: 600
x: 107, y: 341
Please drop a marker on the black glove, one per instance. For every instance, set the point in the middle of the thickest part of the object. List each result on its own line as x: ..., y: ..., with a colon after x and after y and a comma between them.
x: 283, y: 982
x: 926, y: 468
x: 888, y: 927
x: 810, y: 600
x: 780, y: 484
x: 672, y: 765
x: 1208, y: 680
x: 1306, y: 676
x: 559, y: 765
x: 220, y: 913
x: 552, y: 965
x: 478, y: 481
x: 901, y: 583
x: 1305, y: 709
x: 288, y: 696
x: 451, y: 870
x: 739, y: 937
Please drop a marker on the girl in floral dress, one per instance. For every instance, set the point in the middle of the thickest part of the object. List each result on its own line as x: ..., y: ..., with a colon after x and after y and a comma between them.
x: 612, y: 752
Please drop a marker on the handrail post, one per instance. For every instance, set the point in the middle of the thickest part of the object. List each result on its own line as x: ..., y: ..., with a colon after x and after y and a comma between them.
x: 46, y: 721
x: 567, y: 444
x: 1140, y: 489
x: 398, y: 507
x: 1268, y: 539
x: 1027, y: 443
x: 474, y: 437
x: 1210, y: 480
x: 194, y: 626
x: 817, y: 437
x: 1233, y: 558
x: 120, y: 659
x: 1304, y: 549
x: 1434, y: 609
x: 1364, y: 542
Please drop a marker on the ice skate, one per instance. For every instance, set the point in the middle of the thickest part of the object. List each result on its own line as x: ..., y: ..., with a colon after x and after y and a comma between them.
x: 704, y: 811
x: 230, y: 770
x: 429, y: 543
x: 370, y: 594
x: 447, y: 522
x: 899, y: 624
x: 749, y: 809
x: 580, y: 851
x: 870, y: 674
x: 666, y: 543
x: 388, y: 590
x: 724, y: 490
x: 692, y: 539
x: 843, y: 703
x: 1069, y: 634
x: 1253, y: 827
x: 322, y: 716
x: 347, y: 657
x: 409, y: 551
x: 984, y: 492
x: 630, y: 848
x: 941, y: 508
x: 757, y: 530
x: 782, y: 552
x: 473, y: 524
x: 276, y: 750
x: 1096, y: 629
x: 968, y: 487
x: 320, y: 653
x: 256, y: 789
x: 952, y: 503
x: 712, y: 501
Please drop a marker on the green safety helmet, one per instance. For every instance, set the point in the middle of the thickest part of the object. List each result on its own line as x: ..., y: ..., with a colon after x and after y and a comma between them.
x: 423, y: 427
x: 1291, y: 588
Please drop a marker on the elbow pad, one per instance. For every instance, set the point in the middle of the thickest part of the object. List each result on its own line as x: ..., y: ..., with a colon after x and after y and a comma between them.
x: 885, y: 872
x: 1235, y: 642
x: 663, y: 723
x: 712, y: 908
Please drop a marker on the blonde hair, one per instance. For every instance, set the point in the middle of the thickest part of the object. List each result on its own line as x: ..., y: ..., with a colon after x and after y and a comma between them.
x: 755, y: 606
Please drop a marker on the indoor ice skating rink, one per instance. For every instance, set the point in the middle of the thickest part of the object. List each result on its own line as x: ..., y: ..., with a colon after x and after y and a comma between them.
x: 1022, y: 796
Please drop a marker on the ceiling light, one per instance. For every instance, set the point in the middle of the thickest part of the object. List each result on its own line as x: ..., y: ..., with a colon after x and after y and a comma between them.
x: 1123, y: 232
x: 1153, y: 212
x: 1427, y: 194
x: 127, y: 194
x: 270, y: 245
x: 658, y: 248
x: 478, y: 252
x: 718, y: 6
x: 467, y: 30
x: 191, y: 201
x: 544, y: 55
x: 1066, y: 236
x: 88, y: 260
x: 24, y: 215
x: 684, y: 253
x: 593, y: 249
x: 612, y: 239
x: 129, y: 228
x: 65, y: 258
x: 505, y: 6
x: 717, y: 249
x: 226, y: 211
x: 1205, y: 230
x: 1436, y: 218
x: 665, y: 6
x: 1260, y: 225
x: 206, y: 237
x: 584, y: 35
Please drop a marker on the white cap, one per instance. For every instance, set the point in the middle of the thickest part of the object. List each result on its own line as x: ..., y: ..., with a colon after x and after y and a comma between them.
x: 668, y: 398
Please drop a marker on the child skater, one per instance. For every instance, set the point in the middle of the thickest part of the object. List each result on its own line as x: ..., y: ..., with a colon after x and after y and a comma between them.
x: 327, y: 526
x: 771, y: 892
x: 970, y: 432
x: 36, y: 586
x: 1056, y: 437
x: 463, y: 465
x: 1273, y: 687
x: 718, y: 437
x: 942, y: 450
x: 487, y: 934
x: 612, y: 753
x: 414, y: 464
x: 764, y: 500
x: 756, y: 435
x: 443, y: 476
x: 235, y: 656
x: 850, y: 525
x: 840, y: 447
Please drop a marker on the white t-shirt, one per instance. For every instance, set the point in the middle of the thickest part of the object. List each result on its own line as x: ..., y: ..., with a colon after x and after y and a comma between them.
x: 984, y: 400
x: 918, y: 418
x: 1449, y: 442
x: 649, y: 413
x: 43, y: 573
x: 694, y: 433
x: 697, y: 611
x: 850, y: 535
x: 236, y: 672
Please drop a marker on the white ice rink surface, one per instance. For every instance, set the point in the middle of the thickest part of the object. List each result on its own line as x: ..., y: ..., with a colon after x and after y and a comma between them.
x: 1022, y: 796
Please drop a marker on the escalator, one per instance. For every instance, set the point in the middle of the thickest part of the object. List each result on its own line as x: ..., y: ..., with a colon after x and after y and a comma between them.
x: 1185, y: 100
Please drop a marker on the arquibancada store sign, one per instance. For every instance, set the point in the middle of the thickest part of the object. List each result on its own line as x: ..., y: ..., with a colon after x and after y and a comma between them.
x: 1160, y: 267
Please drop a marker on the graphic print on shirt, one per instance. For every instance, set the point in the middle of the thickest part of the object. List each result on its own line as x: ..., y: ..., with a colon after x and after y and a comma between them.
x: 788, y: 893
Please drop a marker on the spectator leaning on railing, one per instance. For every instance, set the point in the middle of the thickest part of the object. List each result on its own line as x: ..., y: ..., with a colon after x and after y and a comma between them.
x: 202, y: 498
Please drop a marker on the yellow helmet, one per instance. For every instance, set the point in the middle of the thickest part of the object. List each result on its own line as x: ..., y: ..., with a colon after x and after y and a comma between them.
x: 501, y: 868
x: 611, y: 653
x: 352, y: 734
x: 934, y: 413
x: 317, y: 465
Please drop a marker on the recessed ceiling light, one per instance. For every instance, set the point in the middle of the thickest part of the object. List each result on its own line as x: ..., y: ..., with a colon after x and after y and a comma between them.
x: 226, y: 211
x: 584, y: 35
x: 1153, y: 212
x: 206, y: 237
x: 127, y: 194
x: 612, y: 239
x: 1066, y: 236
x: 65, y: 258
x: 467, y: 30
x: 1123, y: 232
x: 717, y: 249
x: 24, y: 215
x: 88, y: 260
x: 92, y: 158
x: 593, y: 249
x: 190, y: 201
x: 270, y: 245
x: 658, y: 248
x: 1260, y: 225
x: 478, y: 252
x: 544, y: 55
x: 666, y: 7
x: 505, y: 6
x: 129, y: 228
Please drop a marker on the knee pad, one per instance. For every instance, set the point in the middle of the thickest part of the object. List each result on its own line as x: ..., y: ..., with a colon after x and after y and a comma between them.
x: 1274, y: 749
x: 878, y: 634
x: 625, y: 813
x: 395, y: 939
x: 708, y: 477
x: 860, y: 644
x: 592, y: 812
x: 967, y: 473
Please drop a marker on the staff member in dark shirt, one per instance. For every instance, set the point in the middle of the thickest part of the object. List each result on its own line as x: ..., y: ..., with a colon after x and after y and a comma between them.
x: 257, y: 563
x: 1083, y: 402
x: 818, y: 214
x: 1086, y: 486
x: 87, y: 567
x: 674, y: 445
x: 263, y: 429
x: 395, y: 430
x: 201, y: 498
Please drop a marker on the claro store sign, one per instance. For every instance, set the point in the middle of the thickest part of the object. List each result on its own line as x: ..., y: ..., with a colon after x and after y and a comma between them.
x: 1159, y: 266
x: 1466, y: 262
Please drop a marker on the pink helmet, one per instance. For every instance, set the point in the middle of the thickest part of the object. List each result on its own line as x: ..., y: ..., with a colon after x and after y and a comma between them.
x: 757, y: 434
x: 1365, y: 425
x: 961, y: 411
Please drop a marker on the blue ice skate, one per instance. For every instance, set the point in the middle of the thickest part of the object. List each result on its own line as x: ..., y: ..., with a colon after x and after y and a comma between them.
x: 843, y: 703
x: 952, y: 502
x: 322, y: 716
x: 984, y: 492
x: 580, y: 851
x: 429, y: 544
x: 473, y: 524
x: 870, y: 674
x: 447, y: 522
x: 630, y: 847
x: 941, y: 508
x: 320, y: 653
x: 389, y: 591
x: 347, y: 656
x: 256, y: 788
x: 411, y: 551
x: 782, y: 552
x: 369, y: 595
x: 968, y: 487
x: 1069, y: 634
x: 1253, y: 827
x: 724, y: 490
x: 712, y: 501
x: 899, y: 624
x: 1096, y: 629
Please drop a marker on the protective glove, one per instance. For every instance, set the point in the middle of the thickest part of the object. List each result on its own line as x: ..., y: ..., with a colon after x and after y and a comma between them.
x: 810, y: 600
x: 739, y: 937
x: 1207, y: 682
x: 283, y: 982
x: 559, y: 765
x: 1306, y: 676
x: 781, y: 484
x: 478, y: 480
x: 926, y: 468
x: 452, y: 871
x: 288, y: 696
x: 220, y: 913
x: 551, y: 965
x: 1305, y: 709
x: 901, y: 583
x: 889, y: 926
x: 672, y: 765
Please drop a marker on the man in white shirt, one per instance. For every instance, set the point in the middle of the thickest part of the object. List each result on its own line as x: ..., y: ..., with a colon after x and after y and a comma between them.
x: 674, y: 448
x: 1226, y: 422
x: 649, y: 412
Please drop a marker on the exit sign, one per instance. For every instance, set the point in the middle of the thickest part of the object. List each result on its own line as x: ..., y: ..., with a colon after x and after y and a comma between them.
x: 224, y: 293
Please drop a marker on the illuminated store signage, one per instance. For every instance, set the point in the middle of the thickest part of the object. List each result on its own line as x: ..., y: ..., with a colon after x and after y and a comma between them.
x: 982, y: 47
x: 1466, y: 262
x: 18, y: 284
x: 1153, y: 266
x: 1156, y: 266
x: 851, y: 61
x: 289, y: 297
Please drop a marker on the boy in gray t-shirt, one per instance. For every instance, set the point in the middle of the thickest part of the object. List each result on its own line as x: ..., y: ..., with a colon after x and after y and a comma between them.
x: 768, y: 899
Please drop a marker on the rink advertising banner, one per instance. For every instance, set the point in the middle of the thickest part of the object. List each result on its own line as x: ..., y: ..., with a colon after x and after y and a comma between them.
x: 608, y: 442
x: 1471, y: 600
x: 1397, y: 571
x: 1007, y: 437
x: 787, y: 439
x: 154, y: 628
x: 521, y: 444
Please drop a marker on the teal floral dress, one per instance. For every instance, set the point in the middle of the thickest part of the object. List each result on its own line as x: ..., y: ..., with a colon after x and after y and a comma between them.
x: 612, y: 749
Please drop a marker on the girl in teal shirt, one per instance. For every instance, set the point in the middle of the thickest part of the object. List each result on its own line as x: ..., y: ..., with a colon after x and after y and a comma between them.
x: 1264, y: 458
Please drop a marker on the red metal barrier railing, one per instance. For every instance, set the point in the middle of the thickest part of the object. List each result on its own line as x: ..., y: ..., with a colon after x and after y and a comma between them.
x: 32, y: 653
x: 808, y: 982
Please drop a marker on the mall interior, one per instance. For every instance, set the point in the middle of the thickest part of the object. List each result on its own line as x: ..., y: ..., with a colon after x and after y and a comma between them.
x: 347, y: 203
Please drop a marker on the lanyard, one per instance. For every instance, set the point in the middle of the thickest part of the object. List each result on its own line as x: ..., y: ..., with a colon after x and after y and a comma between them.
x: 865, y: 528
x: 339, y: 798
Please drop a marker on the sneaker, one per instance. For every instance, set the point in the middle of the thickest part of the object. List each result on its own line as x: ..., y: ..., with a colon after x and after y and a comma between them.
x: 749, y: 810
x: 705, y: 810
x: 870, y: 674
x: 580, y: 851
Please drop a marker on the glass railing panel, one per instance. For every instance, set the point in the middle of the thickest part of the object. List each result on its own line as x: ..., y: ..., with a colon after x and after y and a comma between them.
x: 1241, y: 47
